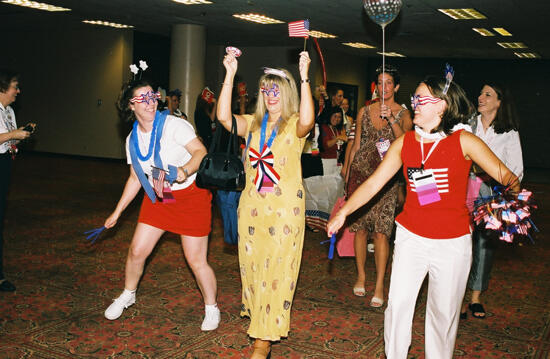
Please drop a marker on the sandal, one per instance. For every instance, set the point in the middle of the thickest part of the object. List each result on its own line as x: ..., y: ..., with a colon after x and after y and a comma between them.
x: 376, y: 302
x: 359, y: 291
x: 477, y: 310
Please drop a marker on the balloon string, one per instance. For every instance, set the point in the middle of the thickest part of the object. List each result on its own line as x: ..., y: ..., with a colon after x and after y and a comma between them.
x: 383, y: 61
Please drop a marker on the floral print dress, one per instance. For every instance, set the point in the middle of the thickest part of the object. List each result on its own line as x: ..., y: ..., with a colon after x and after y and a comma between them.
x: 379, y: 214
x: 271, y: 236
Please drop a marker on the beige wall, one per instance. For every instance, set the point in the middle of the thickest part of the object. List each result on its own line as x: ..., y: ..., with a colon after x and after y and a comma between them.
x: 64, y: 77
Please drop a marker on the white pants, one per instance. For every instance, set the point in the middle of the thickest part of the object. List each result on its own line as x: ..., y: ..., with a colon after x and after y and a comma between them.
x: 447, y: 262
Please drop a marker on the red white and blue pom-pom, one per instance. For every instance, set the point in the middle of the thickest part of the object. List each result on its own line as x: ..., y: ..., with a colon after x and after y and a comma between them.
x: 506, y: 212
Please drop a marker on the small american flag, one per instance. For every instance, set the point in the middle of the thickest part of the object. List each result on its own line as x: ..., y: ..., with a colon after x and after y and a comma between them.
x: 298, y: 28
x: 158, y: 183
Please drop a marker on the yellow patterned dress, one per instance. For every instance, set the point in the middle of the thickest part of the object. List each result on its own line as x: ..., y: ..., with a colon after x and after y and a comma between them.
x: 271, y: 236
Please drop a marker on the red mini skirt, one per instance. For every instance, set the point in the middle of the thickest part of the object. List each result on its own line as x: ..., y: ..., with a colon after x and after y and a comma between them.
x: 189, y: 215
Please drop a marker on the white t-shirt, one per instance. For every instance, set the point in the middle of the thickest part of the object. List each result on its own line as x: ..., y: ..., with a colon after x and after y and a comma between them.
x: 7, y: 124
x: 176, y: 134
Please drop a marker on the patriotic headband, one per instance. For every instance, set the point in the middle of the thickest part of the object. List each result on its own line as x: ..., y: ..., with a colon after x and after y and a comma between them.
x: 449, y: 74
x: 134, y: 69
x: 276, y: 72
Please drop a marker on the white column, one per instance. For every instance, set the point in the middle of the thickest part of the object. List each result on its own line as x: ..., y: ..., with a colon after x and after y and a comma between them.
x: 187, y: 57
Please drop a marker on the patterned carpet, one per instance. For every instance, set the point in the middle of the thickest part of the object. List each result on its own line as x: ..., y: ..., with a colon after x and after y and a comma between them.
x: 64, y: 285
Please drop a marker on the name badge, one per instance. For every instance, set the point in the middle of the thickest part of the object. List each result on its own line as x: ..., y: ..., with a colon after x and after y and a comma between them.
x: 382, y: 145
x: 426, y: 187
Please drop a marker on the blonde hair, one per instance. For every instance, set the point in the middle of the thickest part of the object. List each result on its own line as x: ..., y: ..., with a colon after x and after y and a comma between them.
x: 289, y: 98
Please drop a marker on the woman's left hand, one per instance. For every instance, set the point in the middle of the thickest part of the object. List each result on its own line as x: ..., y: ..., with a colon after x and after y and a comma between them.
x: 304, y: 65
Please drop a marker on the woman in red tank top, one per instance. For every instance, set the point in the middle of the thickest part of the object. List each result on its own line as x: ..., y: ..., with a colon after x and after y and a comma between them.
x: 433, y: 233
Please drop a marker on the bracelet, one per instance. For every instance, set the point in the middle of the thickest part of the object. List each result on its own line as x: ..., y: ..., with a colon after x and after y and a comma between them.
x: 186, y: 174
x: 304, y: 81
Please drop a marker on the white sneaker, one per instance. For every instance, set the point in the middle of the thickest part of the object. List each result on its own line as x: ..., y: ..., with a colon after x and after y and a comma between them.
x: 125, y: 300
x: 370, y: 247
x: 211, y: 318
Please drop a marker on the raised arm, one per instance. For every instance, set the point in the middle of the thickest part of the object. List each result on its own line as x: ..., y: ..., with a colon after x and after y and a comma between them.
x: 307, y: 111
x: 224, y: 100
x: 384, y: 172
x: 481, y: 154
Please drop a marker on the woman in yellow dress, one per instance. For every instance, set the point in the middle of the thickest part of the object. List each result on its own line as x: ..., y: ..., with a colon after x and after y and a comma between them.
x: 272, y: 205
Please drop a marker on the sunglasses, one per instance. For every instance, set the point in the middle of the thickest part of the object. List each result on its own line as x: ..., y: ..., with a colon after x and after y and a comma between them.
x: 146, y: 97
x: 417, y: 100
x: 273, y: 90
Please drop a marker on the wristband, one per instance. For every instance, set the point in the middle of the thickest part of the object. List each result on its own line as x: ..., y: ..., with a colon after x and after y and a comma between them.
x: 304, y: 80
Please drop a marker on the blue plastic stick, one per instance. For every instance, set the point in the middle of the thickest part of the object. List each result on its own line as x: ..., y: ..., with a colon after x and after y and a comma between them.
x: 331, y: 248
x: 93, y: 234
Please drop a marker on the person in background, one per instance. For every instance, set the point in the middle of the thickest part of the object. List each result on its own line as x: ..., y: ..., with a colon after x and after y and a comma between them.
x: 377, y: 126
x: 173, y: 99
x: 433, y: 231
x: 496, y: 124
x: 205, y: 117
x: 271, y: 208
x: 10, y: 135
x: 180, y: 207
x: 336, y: 98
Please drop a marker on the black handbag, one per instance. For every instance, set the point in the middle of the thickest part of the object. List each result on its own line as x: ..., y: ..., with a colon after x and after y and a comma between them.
x: 222, y: 170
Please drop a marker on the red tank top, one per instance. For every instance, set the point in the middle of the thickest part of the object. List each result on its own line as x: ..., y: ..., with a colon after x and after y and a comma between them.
x: 449, y: 217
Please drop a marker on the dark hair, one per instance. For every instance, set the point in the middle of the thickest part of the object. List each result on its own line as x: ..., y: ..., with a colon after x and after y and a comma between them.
x: 6, y: 78
x: 332, y: 112
x: 390, y: 70
x: 176, y: 92
x: 459, y: 109
x: 334, y: 91
x: 203, y: 105
x: 127, y: 92
x: 506, y: 117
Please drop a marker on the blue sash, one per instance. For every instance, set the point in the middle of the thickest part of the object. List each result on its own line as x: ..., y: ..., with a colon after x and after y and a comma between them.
x: 158, y: 126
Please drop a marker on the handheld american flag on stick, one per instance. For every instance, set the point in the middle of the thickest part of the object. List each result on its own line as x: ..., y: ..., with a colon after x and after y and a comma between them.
x: 299, y: 29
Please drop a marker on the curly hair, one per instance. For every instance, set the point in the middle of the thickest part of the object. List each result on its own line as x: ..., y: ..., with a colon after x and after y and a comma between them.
x: 458, y: 110
x: 126, y: 93
x: 390, y: 70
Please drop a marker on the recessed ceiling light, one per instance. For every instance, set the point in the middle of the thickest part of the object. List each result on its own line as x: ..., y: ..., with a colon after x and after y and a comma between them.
x: 193, y: 2
x: 527, y: 55
x: 482, y: 31
x: 35, y: 5
x: 106, y: 23
x: 260, y: 19
x: 512, y: 45
x: 463, y: 14
x: 502, y: 31
x: 358, y: 45
x: 320, y: 34
x: 391, y: 54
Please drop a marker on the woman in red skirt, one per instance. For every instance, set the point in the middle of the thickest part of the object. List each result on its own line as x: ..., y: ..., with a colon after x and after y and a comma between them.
x: 161, y: 141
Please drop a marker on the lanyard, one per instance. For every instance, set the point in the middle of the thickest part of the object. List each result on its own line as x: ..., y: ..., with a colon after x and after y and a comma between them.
x: 429, y: 152
x: 264, y: 129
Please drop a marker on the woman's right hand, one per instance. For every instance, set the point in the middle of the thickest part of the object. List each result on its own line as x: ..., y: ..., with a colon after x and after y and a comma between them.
x: 335, y: 223
x: 230, y: 62
x: 111, y: 220
x: 20, y: 134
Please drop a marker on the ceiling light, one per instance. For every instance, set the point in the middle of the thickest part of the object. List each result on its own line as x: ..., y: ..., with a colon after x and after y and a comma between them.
x: 527, y: 55
x: 358, y: 45
x: 320, y: 34
x: 35, y: 5
x: 260, y: 19
x: 193, y: 2
x: 106, y: 23
x: 502, y: 31
x: 391, y: 54
x: 463, y: 14
x: 512, y: 45
x: 482, y: 31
